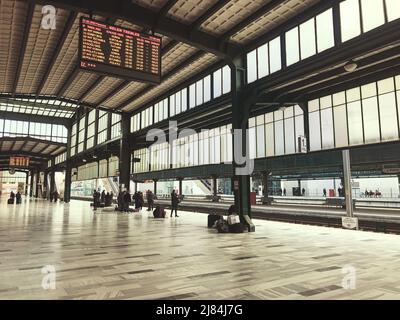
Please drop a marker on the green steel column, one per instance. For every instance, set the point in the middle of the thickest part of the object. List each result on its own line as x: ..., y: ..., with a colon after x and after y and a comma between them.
x: 67, y: 182
x: 26, y: 183
x: 31, y: 189
x: 240, y: 115
x: 125, y: 153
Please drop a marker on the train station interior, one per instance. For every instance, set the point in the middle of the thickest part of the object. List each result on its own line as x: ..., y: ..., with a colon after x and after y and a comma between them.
x: 199, y: 149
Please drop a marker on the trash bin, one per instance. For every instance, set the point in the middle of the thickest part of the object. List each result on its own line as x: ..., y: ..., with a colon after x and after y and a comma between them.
x: 253, y: 198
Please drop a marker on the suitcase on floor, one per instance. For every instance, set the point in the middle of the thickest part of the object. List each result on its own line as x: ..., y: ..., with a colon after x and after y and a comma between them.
x: 212, y: 218
x: 222, y: 226
x: 236, y: 228
x: 10, y: 201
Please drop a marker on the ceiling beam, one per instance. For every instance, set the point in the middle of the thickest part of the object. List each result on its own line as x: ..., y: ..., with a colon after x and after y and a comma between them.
x: 208, y: 14
x: 134, y: 13
x: 68, y: 25
x: 68, y: 82
x: 170, y: 73
x: 165, y: 9
x: 35, y: 156
x: 24, y: 42
x: 92, y: 87
x: 34, y: 146
x: 252, y: 17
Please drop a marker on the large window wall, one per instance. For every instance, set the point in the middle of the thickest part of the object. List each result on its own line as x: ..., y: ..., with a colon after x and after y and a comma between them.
x: 43, y: 131
x: 206, y: 147
x: 317, y: 35
x: 91, y: 129
x: 276, y: 133
x: 81, y: 134
x: 115, y: 126
x: 361, y: 115
x: 202, y: 91
x: 102, y: 126
x: 360, y: 16
x: 73, y: 139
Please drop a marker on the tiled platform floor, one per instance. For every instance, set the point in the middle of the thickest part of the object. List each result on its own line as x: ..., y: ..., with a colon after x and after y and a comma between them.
x: 117, y: 256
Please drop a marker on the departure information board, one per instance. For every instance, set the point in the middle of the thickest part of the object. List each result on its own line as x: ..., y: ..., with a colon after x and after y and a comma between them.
x: 120, y: 52
x: 19, y: 162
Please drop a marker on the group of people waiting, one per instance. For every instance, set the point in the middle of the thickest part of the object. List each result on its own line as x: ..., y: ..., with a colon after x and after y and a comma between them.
x: 14, y: 197
x: 102, y: 198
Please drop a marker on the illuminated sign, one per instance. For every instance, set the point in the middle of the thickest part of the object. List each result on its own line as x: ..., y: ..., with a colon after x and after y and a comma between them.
x: 120, y: 52
x: 19, y: 161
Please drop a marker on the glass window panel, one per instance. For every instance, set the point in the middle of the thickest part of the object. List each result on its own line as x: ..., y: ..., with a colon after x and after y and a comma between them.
x: 315, y: 131
x: 350, y: 19
x: 252, y: 146
x: 269, y: 140
x: 260, y: 141
x: 325, y: 102
x: 307, y: 39
x: 292, y: 46
x: 353, y: 94
x: 252, y: 66
x: 279, y: 138
x: 289, y: 136
x: 393, y: 9
x: 339, y: 98
x: 386, y: 85
x: 217, y: 85
x: 325, y: 34
x: 262, y: 57
x: 327, y: 129
x: 355, y: 123
x: 178, y: 101
x: 313, y: 105
x: 299, y: 125
x: 371, y: 120
x: 199, y: 92
x: 373, y: 15
x: 275, y: 62
x: 226, y: 79
x: 369, y: 90
x: 172, y: 105
x: 184, y: 100
x: 207, y: 88
x: 388, y: 115
x: 192, y: 96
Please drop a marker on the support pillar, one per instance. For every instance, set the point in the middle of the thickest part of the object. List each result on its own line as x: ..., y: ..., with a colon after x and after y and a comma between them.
x: 242, y: 165
x: 398, y: 177
x: 125, y: 154
x: 31, y: 188
x: 67, y: 183
x: 180, y: 190
x: 135, y: 186
x: 347, y: 183
x: 37, y: 184
x: 52, y: 182
x: 155, y: 187
x: 26, y: 183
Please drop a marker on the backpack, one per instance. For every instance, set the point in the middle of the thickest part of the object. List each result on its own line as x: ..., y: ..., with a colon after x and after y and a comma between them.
x: 222, y: 226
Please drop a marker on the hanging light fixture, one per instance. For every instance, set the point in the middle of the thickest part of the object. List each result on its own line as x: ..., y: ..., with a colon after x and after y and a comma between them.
x: 350, y: 66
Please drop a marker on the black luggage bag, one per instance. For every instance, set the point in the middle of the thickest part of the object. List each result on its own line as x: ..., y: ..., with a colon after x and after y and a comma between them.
x: 212, y: 218
x: 236, y: 228
x: 10, y: 201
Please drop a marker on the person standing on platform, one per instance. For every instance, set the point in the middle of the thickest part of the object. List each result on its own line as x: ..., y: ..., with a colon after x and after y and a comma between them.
x: 284, y: 192
x: 127, y: 201
x: 324, y: 191
x: 18, y: 197
x: 103, y: 196
x: 303, y: 192
x: 94, y: 199
x: 174, y: 203
x: 150, y: 200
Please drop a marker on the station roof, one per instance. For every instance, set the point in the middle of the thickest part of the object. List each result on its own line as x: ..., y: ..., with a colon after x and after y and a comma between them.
x: 40, y: 67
